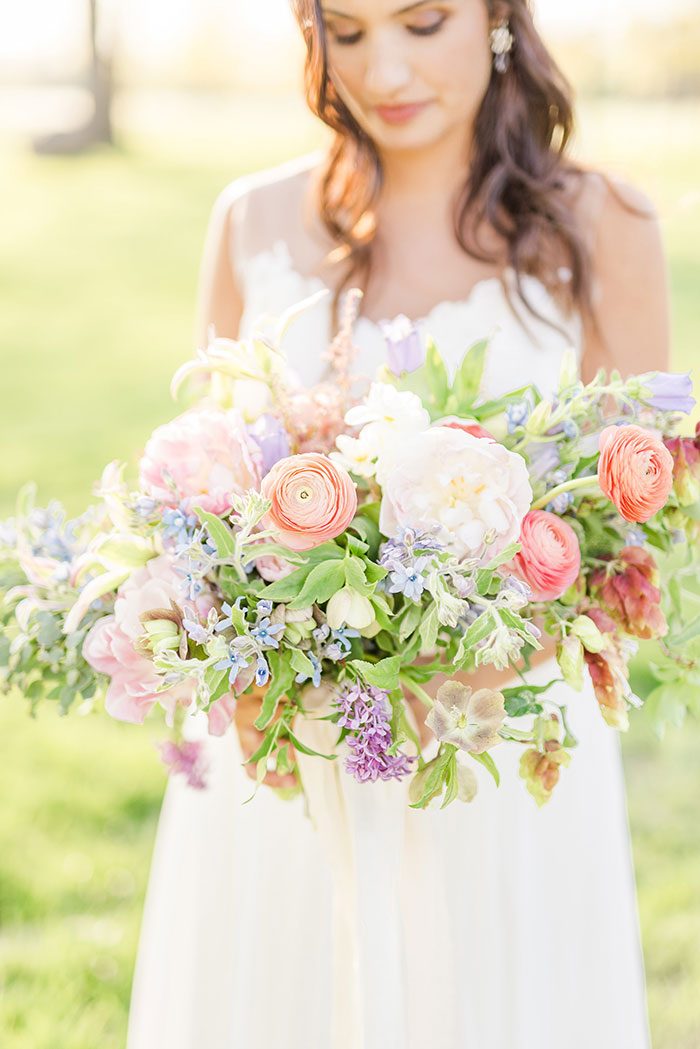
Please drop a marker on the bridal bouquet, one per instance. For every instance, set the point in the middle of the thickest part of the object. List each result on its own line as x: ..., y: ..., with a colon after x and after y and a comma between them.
x: 336, y: 549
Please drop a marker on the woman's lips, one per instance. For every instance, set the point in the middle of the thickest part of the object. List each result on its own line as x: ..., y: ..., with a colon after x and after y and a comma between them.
x: 401, y: 114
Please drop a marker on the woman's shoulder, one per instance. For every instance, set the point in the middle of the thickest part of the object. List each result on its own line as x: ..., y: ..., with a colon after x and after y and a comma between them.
x: 264, y: 206
x: 616, y: 216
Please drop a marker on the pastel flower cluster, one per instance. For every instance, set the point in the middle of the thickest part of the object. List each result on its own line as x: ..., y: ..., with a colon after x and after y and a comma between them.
x: 288, y: 542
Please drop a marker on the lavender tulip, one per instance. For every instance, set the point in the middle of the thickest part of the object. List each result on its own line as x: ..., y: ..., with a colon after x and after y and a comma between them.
x: 670, y: 392
x: 405, y: 347
x: 272, y: 439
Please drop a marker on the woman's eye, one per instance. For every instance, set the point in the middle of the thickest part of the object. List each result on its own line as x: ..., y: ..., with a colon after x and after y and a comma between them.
x: 347, y: 38
x: 428, y: 27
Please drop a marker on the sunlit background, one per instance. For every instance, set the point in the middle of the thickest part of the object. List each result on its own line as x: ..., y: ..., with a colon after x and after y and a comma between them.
x: 104, y: 207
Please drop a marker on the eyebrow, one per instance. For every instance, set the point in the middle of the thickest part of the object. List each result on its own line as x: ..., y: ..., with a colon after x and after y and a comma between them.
x: 352, y: 18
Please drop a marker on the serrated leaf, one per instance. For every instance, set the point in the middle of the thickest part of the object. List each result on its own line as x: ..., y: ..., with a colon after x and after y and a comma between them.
x: 384, y: 674
x: 356, y: 577
x: 322, y: 582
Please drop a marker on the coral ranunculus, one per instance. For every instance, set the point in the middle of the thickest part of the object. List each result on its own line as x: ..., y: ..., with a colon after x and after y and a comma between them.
x: 635, y: 471
x: 550, y: 558
x: 201, y: 458
x: 313, y: 500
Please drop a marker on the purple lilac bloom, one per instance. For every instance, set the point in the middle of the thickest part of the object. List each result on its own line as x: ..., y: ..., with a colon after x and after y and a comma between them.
x: 517, y: 415
x: 405, y: 346
x: 272, y: 439
x: 544, y: 457
x: 561, y: 503
x: 635, y: 537
x: 669, y: 392
x: 186, y: 759
x: 365, y: 713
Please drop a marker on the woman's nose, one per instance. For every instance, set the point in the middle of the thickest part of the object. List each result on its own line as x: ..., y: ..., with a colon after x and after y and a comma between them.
x: 387, y: 71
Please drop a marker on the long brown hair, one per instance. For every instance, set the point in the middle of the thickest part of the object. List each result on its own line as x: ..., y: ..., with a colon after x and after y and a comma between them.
x: 517, y: 177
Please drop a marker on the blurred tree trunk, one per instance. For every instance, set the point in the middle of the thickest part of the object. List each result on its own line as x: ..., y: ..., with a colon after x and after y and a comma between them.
x: 98, y: 128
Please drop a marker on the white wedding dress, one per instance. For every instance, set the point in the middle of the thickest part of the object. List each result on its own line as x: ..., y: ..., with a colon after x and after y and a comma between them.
x: 494, y: 925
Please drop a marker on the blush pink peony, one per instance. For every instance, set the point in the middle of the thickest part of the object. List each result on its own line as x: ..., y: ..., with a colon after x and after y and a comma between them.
x: 466, y: 488
x: 635, y: 471
x: 550, y: 559
x: 111, y: 647
x: 200, y: 458
x: 313, y: 500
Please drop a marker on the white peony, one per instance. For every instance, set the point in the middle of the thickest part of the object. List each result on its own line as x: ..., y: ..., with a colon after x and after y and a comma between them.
x: 387, y: 417
x: 463, y: 486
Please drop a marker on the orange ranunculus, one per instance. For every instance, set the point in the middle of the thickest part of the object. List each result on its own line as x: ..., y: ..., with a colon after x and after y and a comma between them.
x: 635, y: 471
x: 313, y: 500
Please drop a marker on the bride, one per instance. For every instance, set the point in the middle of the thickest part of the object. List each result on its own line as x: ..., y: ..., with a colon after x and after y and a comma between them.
x: 448, y: 195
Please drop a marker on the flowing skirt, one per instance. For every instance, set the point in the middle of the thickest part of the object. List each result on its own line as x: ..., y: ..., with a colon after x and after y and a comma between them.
x: 494, y: 925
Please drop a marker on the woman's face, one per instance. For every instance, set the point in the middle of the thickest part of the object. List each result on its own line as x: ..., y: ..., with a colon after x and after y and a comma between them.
x: 410, y: 73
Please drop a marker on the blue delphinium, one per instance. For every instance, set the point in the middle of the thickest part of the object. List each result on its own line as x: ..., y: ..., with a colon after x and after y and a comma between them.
x: 264, y: 633
x: 315, y: 676
x: 409, y: 579
x: 517, y: 415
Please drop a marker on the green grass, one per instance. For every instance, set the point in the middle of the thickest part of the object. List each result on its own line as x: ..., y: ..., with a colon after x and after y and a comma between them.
x: 98, y: 266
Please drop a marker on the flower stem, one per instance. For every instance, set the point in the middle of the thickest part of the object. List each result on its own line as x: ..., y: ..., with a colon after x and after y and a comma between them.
x: 417, y: 690
x: 568, y: 486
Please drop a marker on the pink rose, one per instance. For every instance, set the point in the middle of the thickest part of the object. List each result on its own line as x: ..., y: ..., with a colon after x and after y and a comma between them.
x: 550, y: 558
x: 635, y: 471
x: 313, y: 500
x: 272, y: 568
x: 452, y: 422
x: 201, y: 458
x: 111, y: 646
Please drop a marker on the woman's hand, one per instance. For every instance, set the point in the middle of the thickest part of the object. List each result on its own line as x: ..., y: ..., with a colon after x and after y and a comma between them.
x: 246, y: 712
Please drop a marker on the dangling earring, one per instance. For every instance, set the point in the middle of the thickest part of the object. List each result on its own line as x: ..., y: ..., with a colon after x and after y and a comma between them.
x: 502, y: 41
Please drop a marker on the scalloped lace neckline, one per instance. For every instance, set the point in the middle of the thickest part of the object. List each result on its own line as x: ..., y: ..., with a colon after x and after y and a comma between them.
x: 281, y: 255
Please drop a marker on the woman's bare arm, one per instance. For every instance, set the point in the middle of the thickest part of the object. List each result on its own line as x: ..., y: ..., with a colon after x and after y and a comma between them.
x: 219, y: 300
x: 631, y: 276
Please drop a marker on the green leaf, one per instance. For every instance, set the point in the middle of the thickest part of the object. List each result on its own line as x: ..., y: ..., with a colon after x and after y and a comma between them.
x: 691, y: 631
x: 451, y: 781
x: 476, y: 633
x: 281, y: 681
x: 298, y: 745
x: 487, y: 761
x: 301, y: 663
x: 266, y: 745
x: 321, y: 583
x: 666, y: 705
x: 355, y: 576
x: 384, y: 674
x: 218, y: 684
x: 429, y: 629
x: 438, y: 383
x: 221, y: 534
x: 288, y: 588
x: 504, y: 557
x: 467, y: 382
x: 428, y: 781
